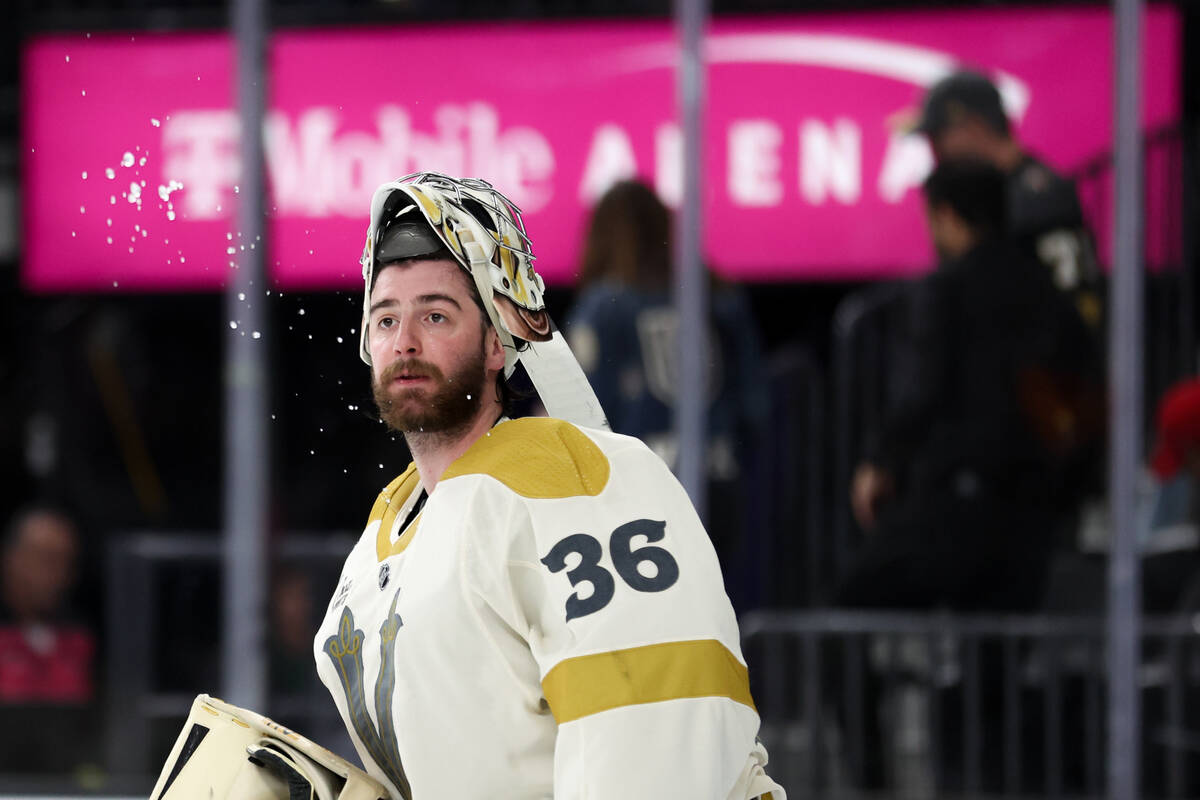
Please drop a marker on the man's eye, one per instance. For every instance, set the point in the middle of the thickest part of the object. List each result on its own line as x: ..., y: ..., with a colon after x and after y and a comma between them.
x: 386, y: 322
x: 437, y: 317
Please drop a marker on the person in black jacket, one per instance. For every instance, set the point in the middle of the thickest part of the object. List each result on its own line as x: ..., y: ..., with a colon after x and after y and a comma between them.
x: 998, y: 402
x: 963, y: 116
x: 999, y: 411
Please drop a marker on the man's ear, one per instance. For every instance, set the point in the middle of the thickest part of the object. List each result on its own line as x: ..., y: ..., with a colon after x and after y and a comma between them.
x: 493, y: 350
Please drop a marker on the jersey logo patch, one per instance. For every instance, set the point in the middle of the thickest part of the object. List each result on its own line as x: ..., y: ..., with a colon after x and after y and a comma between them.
x: 385, y: 571
x: 344, y: 649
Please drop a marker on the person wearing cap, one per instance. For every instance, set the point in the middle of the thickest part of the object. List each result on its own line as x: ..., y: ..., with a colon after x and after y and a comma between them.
x: 534, y: 608
x: 963, y: 116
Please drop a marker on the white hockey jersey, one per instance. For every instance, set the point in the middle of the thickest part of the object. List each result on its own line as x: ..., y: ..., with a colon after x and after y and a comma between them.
x: 553, y: 623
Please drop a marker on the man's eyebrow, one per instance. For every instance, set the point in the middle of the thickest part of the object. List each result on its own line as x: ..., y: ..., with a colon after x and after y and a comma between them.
x: 428, y: 299
x: 382, y: 304
x: 424, y: 299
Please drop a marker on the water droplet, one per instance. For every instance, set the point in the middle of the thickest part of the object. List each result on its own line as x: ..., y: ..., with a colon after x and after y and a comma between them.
x: 272, y: 416
x: 339, y: 340
x: 242, y: 296
x: 72, y: 234
x: 155, y: 122
x: 85, y: 174
x: 110, y: 173
x: 108, y: 222
x: 233, y: 325
x: 135, y: 193
x: 127, y: 159
x: 312, y: 452
x: 237, y: 189
x: 230, y: 250
x: 301, y: 312
x: 228, y: 235
x: 68, y: 59
x: 83, y: 92
x: 109, y: 239
x: 114, y: 284
x: 468, y: 397
x: 171, y: 215
x: 142, y: 163
x: 256, y: 335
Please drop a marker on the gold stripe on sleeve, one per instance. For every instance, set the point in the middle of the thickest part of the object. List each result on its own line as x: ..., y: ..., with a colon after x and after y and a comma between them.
x: 584, y: 685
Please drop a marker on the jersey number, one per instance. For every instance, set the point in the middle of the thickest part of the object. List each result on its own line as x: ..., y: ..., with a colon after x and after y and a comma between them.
x: 625, y: 561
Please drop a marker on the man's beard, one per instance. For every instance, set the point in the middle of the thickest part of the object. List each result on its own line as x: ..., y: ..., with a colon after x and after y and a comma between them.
x: 444, y: 406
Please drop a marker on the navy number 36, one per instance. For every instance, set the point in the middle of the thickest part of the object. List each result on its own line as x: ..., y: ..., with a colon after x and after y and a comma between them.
x: 625, y: 561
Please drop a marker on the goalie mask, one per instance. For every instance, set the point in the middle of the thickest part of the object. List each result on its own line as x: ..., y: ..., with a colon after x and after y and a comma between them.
x: 427, y: 212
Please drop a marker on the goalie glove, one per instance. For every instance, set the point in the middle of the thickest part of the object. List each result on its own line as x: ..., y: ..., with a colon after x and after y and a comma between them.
x: 230, y: 753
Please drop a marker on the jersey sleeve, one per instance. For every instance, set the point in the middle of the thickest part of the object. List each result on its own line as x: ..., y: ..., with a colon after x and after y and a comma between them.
x: 620, y: 599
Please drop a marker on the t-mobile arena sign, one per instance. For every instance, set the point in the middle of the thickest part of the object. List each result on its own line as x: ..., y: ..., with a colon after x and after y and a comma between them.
x: 132, y: 172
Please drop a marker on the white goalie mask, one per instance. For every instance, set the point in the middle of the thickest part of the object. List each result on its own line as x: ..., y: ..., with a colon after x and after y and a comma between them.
x: 421, y: 214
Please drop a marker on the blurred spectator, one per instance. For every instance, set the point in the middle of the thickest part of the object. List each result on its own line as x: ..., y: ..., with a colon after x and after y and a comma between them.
x: 292, y: 632
x: 964, y: 118
x: 1000, y: 401
x: 623, y: 330
x: 963, y: 491
x: 47, y: 669
x: 1171, y: 538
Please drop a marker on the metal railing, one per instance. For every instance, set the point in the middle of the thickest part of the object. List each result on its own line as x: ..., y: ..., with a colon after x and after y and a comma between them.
x: 162, y: 642
x: 936, y: 705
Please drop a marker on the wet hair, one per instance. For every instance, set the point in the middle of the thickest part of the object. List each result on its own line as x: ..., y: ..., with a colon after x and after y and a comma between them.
x: 628, y: 239
x: 975, y: 190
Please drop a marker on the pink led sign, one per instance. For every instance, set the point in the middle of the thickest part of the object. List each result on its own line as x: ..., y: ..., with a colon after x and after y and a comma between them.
x: 130, y: 142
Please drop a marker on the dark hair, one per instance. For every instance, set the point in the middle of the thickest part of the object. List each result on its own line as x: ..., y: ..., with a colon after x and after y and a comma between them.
x: 628, y: 238
x: 960, y: 95
x: 974, y: 190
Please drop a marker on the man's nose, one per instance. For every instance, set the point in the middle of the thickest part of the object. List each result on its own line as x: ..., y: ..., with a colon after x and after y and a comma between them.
x: 405, y: 339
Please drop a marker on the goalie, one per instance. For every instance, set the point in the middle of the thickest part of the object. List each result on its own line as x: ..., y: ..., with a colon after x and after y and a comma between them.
x: 534, y: 609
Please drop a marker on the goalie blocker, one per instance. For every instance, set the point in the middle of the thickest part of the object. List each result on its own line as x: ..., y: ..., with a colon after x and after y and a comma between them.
x: 229, y: 753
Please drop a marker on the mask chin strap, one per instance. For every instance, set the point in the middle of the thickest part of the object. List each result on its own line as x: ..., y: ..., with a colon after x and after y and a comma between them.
x: 556, y: 375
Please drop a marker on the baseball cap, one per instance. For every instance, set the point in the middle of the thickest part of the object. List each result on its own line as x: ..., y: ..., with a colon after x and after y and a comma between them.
x: 1177, y: 429
x: 963, y: 92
